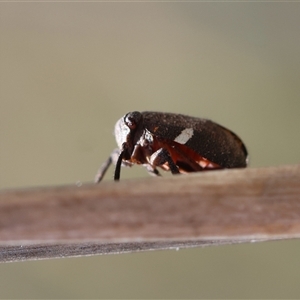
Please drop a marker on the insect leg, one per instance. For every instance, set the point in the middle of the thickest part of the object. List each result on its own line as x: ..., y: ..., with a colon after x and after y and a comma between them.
x: 151, y: 170
x: 118, y: 166
x: 162, y: 156
x: 102, y: 170
x: 104, y: 167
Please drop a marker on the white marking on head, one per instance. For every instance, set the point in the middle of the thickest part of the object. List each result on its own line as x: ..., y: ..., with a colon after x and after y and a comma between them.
x: 121, y: 132
x: 184, y: 136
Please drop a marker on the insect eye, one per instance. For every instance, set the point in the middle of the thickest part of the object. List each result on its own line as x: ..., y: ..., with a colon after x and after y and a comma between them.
x: 130, y: 122
x: 132, y: 119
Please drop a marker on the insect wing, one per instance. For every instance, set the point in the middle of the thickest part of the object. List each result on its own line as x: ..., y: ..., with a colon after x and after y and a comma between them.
x: 210, y: 140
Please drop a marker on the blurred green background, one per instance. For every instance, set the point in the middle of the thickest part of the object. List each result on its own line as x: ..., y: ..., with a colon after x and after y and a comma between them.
x: 70, y: 70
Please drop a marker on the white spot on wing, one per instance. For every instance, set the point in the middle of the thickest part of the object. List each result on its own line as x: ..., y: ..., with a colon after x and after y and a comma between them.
x: 184, y: 136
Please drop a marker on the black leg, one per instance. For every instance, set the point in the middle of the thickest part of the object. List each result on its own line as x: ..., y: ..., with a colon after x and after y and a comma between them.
x: 118, y: 166
x: 151, y: 170
x: 113, y: 158
x: 162, y: 156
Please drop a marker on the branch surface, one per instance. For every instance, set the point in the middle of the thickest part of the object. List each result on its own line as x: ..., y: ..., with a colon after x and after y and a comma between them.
x: 208, y: 208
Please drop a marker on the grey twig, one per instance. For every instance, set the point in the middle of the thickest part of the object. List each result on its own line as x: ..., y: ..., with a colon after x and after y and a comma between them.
x: 208, y: 208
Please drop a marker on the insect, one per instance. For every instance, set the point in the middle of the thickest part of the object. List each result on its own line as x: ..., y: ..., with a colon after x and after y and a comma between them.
x: 173, y: 142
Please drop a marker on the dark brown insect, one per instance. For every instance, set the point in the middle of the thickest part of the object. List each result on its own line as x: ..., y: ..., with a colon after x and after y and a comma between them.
x: 174, y: 142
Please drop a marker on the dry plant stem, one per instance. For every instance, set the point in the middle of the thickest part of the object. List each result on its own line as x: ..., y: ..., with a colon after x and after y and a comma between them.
x: 208, y: 208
